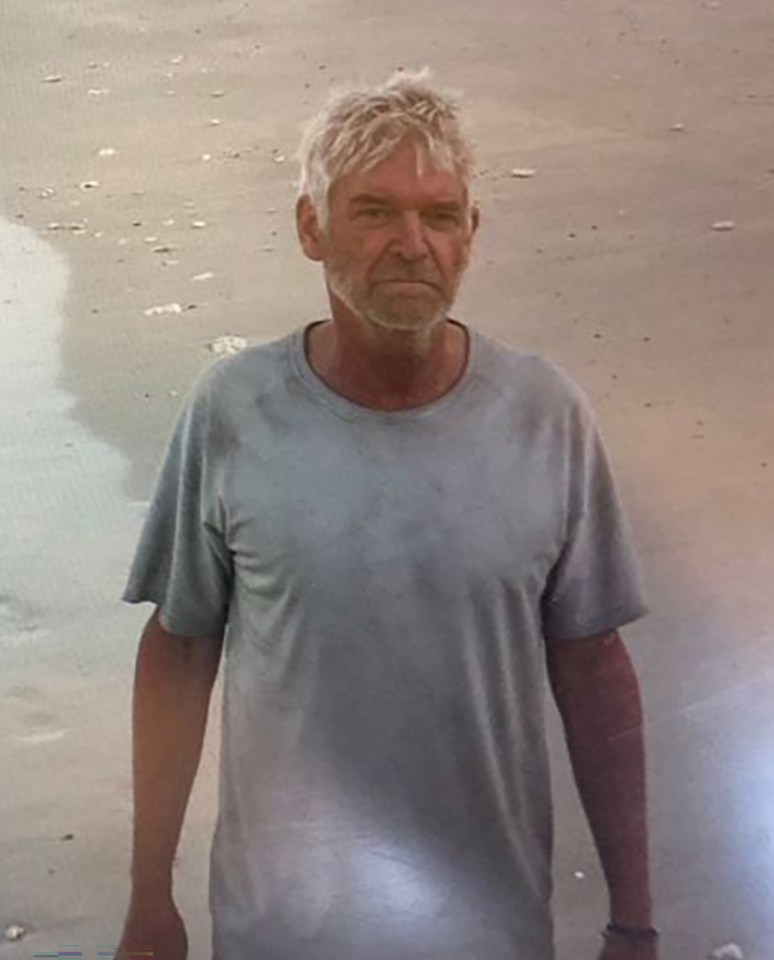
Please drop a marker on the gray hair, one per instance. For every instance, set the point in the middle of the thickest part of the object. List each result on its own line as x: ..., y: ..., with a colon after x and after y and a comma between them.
x: 360, y: 127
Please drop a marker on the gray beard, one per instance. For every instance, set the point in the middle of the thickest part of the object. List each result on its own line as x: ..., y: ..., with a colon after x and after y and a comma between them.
x: 379, y: 318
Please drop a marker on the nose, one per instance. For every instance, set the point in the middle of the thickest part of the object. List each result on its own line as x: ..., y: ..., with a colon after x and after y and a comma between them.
x: 410, y: 241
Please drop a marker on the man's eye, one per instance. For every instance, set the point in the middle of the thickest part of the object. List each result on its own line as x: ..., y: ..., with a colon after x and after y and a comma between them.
x: 374, y: 213
x: 445, y: 217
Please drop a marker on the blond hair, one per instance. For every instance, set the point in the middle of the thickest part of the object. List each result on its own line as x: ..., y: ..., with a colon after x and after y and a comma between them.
x: 358, y: 128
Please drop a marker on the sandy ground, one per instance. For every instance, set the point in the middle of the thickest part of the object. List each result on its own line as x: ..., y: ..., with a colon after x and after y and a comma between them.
x: 645, y: 123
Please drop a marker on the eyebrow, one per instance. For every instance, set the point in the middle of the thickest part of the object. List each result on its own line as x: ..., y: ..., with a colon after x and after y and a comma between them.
x: 369, y: 198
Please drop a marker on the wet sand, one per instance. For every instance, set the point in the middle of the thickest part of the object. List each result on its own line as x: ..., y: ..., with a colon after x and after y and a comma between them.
x: 644, y: 126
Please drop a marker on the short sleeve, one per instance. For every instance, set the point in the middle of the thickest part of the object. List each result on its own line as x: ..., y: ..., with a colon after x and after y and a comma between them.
x: 595, y: 585
x: 182, y: 562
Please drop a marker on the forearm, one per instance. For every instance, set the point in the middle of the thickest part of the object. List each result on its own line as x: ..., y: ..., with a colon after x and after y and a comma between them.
x: 602, y: 713
x: 173, y: 683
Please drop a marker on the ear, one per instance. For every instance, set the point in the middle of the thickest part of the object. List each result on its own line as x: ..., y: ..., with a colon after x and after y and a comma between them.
x: 475, y: 220
x: 308, y: 228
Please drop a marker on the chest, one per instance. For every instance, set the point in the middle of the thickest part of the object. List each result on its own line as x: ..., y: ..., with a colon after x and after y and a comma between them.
x: 319, y: 509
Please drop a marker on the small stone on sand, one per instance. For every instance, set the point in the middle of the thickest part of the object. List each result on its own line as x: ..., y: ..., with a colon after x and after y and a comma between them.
x: 163, y: 308
x: 228, y: 345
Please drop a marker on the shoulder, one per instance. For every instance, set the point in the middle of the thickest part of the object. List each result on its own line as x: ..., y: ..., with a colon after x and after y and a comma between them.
x: 226, y: 394
x: 257, y: 368
x: 226, y: 387
x: 530, y: 381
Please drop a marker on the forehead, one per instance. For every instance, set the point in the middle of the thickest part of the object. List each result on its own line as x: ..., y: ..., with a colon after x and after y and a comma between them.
x: 400, y: 178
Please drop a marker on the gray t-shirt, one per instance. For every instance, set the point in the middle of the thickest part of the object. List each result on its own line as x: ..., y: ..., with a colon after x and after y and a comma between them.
x: 389, y: 581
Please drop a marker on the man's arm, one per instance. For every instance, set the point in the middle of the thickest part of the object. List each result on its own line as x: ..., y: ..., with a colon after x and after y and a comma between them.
x: 174, y: 677
x: 598, y: 697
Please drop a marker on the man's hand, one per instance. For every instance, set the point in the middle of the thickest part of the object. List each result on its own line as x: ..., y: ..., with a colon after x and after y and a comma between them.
x: 620, y: 949
x: 157, y: 932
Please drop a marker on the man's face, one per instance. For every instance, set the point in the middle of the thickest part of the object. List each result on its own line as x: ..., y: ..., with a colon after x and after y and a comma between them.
x: 397, y: 243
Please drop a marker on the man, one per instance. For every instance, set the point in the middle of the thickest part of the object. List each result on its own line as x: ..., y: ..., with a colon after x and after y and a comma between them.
x: 401, y: 528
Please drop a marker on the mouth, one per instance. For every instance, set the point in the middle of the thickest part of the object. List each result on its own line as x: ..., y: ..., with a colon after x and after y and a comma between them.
x: 420, y: 283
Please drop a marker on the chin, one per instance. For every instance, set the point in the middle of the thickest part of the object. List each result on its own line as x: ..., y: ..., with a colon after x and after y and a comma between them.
x: 408, y: 317
x: 405, y: 323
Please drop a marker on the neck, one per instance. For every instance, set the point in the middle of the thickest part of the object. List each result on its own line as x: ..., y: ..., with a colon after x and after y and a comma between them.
x: 388, y: 370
